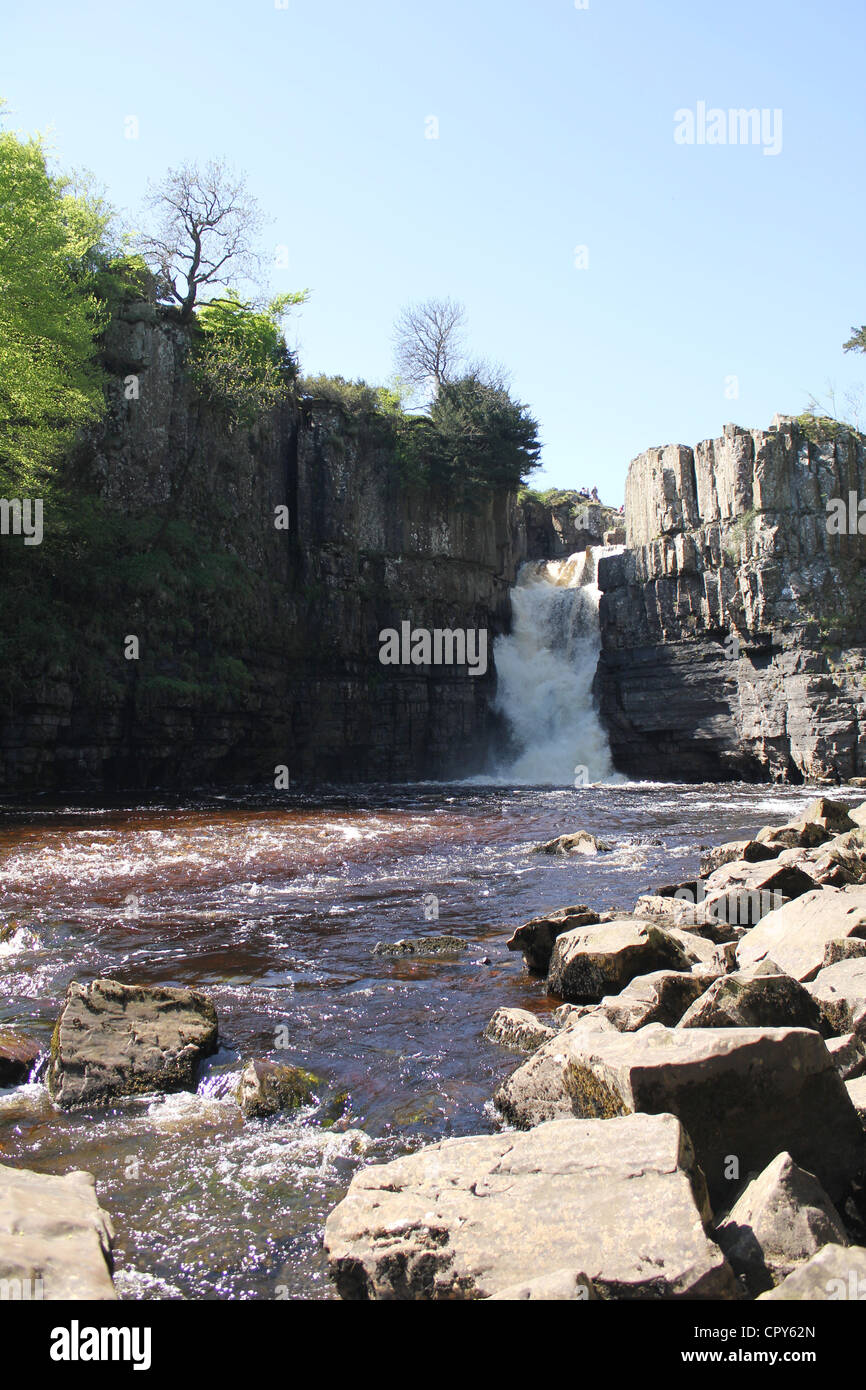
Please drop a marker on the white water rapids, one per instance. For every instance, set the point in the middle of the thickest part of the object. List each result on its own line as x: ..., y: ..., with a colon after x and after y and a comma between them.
x: 545, y: 669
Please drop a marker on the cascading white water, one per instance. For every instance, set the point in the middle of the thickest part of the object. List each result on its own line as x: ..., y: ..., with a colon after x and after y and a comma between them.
x: 545, y: 669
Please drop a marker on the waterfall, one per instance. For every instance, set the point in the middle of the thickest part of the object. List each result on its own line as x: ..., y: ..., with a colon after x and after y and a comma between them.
x: 545, y: 669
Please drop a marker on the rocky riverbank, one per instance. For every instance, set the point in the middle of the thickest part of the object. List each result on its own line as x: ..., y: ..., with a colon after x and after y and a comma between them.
x: 686, y: 1119
x: 689, y: 1124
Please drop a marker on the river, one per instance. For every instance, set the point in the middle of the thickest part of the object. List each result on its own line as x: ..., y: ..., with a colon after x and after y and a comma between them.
x: 273, y: 907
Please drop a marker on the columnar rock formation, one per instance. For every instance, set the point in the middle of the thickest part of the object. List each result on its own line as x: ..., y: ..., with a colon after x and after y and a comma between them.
x: 733, y: 626
x: 295, y: 680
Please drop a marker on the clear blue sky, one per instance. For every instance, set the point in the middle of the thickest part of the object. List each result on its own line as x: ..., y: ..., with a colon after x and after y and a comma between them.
x: 556, y: 130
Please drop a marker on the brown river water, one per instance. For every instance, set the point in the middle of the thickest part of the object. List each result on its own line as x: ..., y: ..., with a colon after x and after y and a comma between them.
x: 273, y: 907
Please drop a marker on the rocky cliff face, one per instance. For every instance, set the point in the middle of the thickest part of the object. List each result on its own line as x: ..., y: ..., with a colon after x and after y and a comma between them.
x: 734, y: 624
x: 259, y: 646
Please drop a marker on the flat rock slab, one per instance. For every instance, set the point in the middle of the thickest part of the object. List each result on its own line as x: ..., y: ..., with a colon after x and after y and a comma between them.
x: 536, y: 938
x: 780, y: 1221
x: 836, y: 1274
x: 618, y: 1203
x: 115, y: 1040
x: 518, y: 1029
x: 797, y: 935
x: 55, y: 1238
x: 18, y: 1056
x: 590, y: 962
x: 741, y: 1093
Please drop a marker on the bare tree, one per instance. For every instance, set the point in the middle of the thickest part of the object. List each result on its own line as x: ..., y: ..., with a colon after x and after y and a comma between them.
x: 207, y: 223
x: 428, y: 342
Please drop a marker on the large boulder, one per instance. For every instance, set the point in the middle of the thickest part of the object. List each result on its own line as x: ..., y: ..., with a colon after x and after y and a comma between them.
x: 840, y: 992
x: 518, y: 1029
x: 754, y: 999
x: 796, y: 936
x: 115, y: 1040
x: 536, y: 938
x: 750, y: 851
x: 619, y: 1204
x: 18, y: 1056
x: 849, y: 1056
x: 743, y: 1094
x: 843, y: 860
x: 818, y: 823
x: 781, y: 1219
x: 55, y: 1238
x: 662, y: 997
x: 590, y: 962
x: 836, y: 1273
x: 739, y: 894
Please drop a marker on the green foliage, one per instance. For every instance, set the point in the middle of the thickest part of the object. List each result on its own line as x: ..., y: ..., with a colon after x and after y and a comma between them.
x: 101, y: 574
x: 857, y: 341
x: 353, y: 397
x: 239, y: 361
x: 484, y: 437
x: 50, y: 317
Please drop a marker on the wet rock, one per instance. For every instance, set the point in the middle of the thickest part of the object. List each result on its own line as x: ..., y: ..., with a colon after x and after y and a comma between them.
x: 535, y: 938
x: 518, y: 1029
x: 18, y: 1057
x: 745, y: 1093
x: 796, y: 935
x: 115, y: 1040
x: 590, y: 962
x: 849, y: 1055
x: 780, y: 1221
x: 740, y: 894
x: 55, y: 1238
x: 422, y: 946
x: 836, y: 1273
x: 581, y: 842
x: 755, y: 999
x: 749, y: 851
x: 840, y: 992
x: 575, y: 1200
x: 662, y: 997
x: 267, y: 1088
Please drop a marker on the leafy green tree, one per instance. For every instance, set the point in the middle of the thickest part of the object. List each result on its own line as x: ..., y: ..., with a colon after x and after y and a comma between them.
x: 483, y: 436
x: 239, y: 360
x: 50, y: 317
